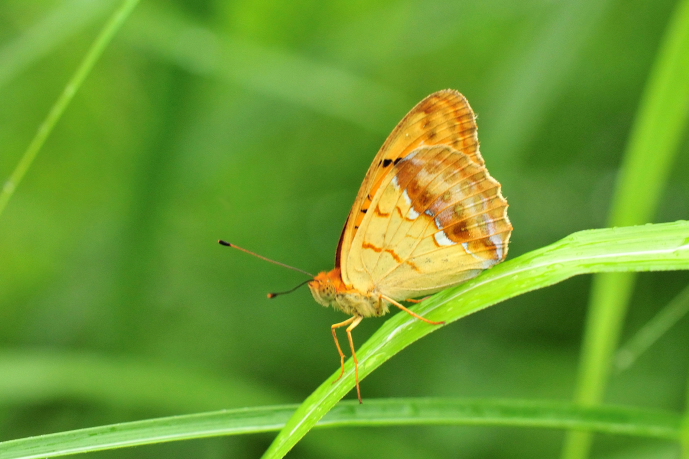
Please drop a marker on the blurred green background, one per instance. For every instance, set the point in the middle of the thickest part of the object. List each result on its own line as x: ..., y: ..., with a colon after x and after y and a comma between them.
x: 255, y: 121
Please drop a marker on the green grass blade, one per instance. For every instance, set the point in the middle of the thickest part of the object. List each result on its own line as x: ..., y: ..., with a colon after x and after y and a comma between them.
x: 643, y: 248
x: 60, y: 105
x: 434, y: 411
x: 653, y: 330
x: 659, y: 127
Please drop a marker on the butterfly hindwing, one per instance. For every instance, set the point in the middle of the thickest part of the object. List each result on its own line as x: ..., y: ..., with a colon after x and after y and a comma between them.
x: 438, y: 220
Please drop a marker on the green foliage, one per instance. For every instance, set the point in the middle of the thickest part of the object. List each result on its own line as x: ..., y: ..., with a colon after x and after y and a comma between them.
x: 255, y: 122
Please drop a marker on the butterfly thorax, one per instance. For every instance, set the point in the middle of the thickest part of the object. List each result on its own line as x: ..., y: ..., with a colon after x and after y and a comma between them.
x: 328, y: 289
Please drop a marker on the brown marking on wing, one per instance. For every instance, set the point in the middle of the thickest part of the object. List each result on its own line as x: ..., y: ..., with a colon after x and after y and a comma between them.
x: 367, y: 245
x: 381, y: 213
x: 413, y: 175
x: 393, y: 254
x: 413, y: 266
x: 458, y: 232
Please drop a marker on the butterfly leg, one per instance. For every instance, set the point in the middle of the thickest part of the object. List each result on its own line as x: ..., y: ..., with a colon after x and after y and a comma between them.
x: 412, y: 313
x: 337, y: 343
x: 411, y: 300
x: 357, y: 321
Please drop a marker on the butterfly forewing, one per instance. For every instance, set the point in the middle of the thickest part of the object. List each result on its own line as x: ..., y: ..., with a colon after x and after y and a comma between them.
x: 428, y: 215
x: 443, y: 118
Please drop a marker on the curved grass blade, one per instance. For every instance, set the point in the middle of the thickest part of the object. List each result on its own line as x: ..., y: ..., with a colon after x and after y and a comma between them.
x: 434, y: 411
x: 642, y: 248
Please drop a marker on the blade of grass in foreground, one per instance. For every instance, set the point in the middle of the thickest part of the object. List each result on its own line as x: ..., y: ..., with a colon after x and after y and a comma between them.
x: 60, y: 105
x: 642, y: 248
x: 434, y: 411
x: 659, y: 127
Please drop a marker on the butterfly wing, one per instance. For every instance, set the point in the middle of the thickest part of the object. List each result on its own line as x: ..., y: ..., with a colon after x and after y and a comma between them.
x: 428, y: 214
x: 443, y: 118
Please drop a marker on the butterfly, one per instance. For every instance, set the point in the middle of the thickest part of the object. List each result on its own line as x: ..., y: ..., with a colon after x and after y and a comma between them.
x: 428, y: 216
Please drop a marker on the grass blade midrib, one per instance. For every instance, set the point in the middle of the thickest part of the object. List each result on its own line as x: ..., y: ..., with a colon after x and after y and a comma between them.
x: 382, y: 412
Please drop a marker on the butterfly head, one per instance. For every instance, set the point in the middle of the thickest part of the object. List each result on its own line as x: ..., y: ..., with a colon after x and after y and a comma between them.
x: 328, y: 289
x: 325, y: 286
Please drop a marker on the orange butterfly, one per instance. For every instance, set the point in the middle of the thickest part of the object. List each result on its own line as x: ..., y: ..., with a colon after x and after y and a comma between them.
x: 427, y: 216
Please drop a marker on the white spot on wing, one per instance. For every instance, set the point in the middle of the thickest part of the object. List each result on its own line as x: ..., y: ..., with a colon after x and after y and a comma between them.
x: 396, y: 182
x: 406, y: 197
x: 442, y: 239
x: 497, y: 241
x: 412, y: 214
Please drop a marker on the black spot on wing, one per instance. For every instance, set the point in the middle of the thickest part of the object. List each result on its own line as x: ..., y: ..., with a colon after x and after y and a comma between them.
x: 386, y: 162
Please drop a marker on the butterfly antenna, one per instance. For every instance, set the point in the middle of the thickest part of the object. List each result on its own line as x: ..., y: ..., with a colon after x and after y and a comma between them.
x: 227, y: 244
x: 273, y: 295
